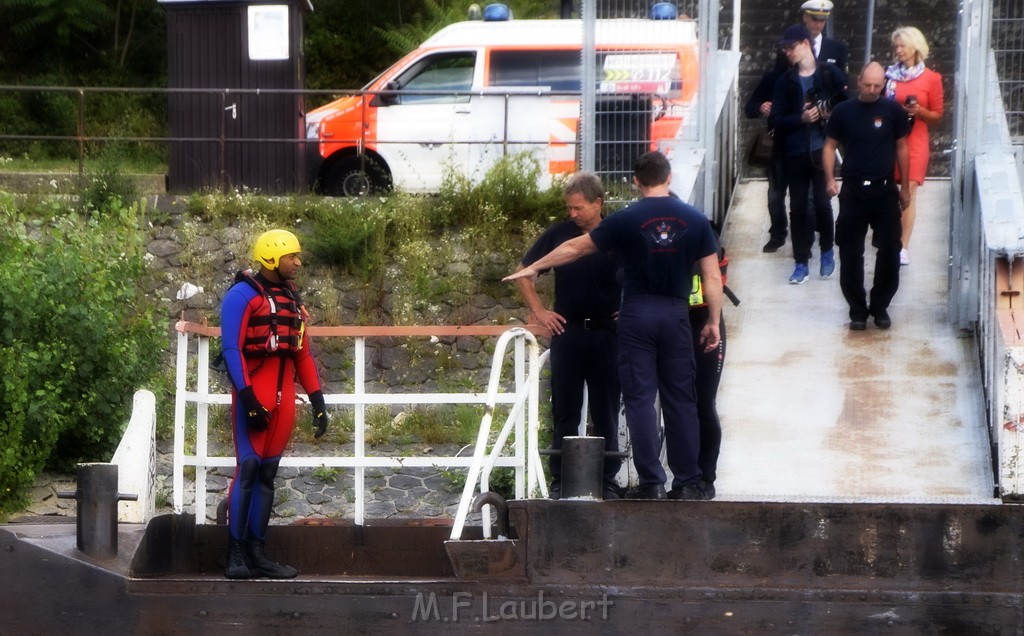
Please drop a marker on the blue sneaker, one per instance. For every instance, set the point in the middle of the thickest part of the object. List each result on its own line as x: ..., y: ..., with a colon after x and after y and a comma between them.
x: 800, y: 274
x: 828, y: 264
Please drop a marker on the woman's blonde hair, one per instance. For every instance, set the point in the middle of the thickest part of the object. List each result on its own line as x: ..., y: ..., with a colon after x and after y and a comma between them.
x: 913, y: 38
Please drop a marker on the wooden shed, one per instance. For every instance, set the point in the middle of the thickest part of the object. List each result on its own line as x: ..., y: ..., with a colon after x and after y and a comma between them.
x: 237, y: 136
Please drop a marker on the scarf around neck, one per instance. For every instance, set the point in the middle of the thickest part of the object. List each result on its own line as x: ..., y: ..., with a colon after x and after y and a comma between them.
x: 899, y: 73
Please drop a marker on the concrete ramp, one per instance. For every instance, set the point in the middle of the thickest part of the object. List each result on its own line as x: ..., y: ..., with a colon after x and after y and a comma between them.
x: 813, y: 411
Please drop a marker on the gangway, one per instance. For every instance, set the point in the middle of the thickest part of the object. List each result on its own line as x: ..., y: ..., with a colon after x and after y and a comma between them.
x: 813, y: 411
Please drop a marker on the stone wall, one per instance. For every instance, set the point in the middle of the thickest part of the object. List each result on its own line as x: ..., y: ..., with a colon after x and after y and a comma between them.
x: 763, y: 21
x: 184, y: 250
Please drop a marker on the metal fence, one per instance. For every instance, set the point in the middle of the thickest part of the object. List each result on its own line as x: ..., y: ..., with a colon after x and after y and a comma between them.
x: 655, y: 93
x: 513, y: 444
x: 1008, y: 50
x: 987, y: 245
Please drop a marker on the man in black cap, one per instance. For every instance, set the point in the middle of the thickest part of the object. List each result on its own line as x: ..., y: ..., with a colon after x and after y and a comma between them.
x: 802, y: 101
x: 815, y: 15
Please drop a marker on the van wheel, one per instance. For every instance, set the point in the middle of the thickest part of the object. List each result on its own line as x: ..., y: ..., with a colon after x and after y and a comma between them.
x: 356, y: 177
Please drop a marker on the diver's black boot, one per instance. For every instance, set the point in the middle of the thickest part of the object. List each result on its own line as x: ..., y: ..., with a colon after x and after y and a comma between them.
x: 262, y: 566
x: 235, y: 566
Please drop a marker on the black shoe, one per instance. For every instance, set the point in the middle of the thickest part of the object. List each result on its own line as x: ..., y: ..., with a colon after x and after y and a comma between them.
x: 235, y: 566
x: 555, y: 491
x: 773, y: 245
x: 858, y: 324
x: 646, y: 491
x: 709, y: 489
x: 262, y: 566
x: 690, y: 492
x: 610, y: 493
x: 882, y: 320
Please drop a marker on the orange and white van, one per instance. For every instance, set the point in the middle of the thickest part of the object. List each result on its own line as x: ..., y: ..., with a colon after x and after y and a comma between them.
x: 479, y: 89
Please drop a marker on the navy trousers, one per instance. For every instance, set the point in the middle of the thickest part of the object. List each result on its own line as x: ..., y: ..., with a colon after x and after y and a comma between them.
x: 656, y: 358
x: 588, y: 356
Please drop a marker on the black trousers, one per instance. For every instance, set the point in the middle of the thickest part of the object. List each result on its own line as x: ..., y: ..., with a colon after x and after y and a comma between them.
x: 805, y: 173
x: 860, y: 206
x: 709, y: 376
x: 776, y: 174
x: 588, y: 356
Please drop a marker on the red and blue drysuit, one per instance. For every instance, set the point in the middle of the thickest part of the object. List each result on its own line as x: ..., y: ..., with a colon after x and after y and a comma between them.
x: 263, y: 328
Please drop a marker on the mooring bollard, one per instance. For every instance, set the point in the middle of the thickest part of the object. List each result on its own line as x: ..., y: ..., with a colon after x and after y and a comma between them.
x: 582, y: 467
x: 96, y: 520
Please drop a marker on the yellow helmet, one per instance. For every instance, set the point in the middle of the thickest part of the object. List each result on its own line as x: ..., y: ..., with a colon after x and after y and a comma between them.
x: 272, y: 245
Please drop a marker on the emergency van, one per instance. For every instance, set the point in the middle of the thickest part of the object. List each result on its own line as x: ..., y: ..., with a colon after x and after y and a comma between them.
x: 478, y: 90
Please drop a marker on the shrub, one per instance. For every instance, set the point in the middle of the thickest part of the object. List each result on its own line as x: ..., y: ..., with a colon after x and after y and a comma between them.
x: 77, y: 343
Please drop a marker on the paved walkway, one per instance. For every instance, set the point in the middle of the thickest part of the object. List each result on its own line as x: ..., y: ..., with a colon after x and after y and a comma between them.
x: 813, y: 410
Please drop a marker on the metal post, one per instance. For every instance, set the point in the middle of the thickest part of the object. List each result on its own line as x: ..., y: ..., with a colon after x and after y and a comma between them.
x: 707, y: 25
x: 582, y: 467
x: 221, y: 182
x: 97, y: 498
x: 81, y: 141
x: 588, y: 154
x: 869, y: 30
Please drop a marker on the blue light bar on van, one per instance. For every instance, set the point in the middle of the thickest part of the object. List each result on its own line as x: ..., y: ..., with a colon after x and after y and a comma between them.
x: 664, y: 11
x: 497, y: 13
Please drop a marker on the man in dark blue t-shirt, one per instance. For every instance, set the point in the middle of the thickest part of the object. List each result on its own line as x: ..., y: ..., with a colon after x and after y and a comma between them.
x: 660, y: 239
x: 582, y: 324
x: 873, y: 133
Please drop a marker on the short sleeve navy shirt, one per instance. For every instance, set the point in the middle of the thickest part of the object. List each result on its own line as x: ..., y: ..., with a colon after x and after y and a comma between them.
x: 585, y: 288
x: 868, y: 132
x: 660, y: 239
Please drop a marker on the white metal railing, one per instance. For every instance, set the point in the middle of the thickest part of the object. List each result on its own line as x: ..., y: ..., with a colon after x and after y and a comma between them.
x: 986, y: 243
x: 521, y: 423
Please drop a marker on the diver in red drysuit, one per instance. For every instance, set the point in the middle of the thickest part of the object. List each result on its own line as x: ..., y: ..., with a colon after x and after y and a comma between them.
x: 265, y: 348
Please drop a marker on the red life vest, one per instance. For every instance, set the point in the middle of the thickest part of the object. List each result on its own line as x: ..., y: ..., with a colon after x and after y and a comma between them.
x: 277, y: 326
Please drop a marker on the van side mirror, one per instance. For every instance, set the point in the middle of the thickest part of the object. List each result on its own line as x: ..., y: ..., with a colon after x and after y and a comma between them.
x: 389, y: 96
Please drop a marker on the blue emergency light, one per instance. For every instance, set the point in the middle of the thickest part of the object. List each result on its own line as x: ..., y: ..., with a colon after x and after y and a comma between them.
x: 497, y: 13
x: 664, y: 11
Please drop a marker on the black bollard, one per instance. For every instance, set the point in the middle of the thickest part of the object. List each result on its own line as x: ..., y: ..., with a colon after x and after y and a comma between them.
x: 97, y: 497
x: 582, y: 467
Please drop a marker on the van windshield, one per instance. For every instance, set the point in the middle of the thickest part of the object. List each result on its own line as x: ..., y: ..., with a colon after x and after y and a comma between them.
x: 618, y: 72
x: 440, y: 72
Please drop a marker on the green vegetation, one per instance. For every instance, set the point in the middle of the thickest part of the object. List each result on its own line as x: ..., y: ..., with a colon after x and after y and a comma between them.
x: 77, y: 334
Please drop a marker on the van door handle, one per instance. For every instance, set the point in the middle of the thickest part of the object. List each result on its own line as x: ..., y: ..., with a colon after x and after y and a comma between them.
x: 462, y: 109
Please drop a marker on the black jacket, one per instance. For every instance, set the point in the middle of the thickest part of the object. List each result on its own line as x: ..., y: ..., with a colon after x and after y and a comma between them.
x: 765, y: 88
x: 833, y: 52
x: 788, y: 97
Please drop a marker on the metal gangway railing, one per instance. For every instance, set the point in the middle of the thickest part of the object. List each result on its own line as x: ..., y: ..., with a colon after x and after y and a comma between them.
x: 986, y: 242
x: 520, y: 426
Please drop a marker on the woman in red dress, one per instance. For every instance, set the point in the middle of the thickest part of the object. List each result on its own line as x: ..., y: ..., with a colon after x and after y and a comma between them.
x: 919, y: 90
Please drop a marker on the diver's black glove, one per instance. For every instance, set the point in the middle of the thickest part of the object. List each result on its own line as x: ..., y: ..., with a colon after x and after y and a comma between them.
x: 320, y: 417
x: 257, y: 416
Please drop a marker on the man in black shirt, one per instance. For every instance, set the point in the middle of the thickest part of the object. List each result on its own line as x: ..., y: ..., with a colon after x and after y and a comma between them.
x: 873, y: 133
x: 661, y: 240
x: 582, y: 324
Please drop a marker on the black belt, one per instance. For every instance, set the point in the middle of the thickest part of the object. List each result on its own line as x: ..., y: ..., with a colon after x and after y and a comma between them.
x: 868, y: 183
x: 593, y: 323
